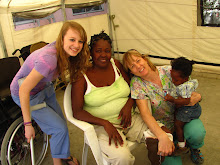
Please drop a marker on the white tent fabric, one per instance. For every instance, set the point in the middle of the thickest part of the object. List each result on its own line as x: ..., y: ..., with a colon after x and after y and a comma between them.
x: 40, y: 8
x: 28, y: 5
x: 166, y: 28
x: 20, y: 6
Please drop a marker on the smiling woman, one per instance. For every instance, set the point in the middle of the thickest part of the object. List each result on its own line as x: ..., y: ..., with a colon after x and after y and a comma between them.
x: 150, y: 82
x: 38, y: 72
x: 101, y: 97
x: 75, y: 41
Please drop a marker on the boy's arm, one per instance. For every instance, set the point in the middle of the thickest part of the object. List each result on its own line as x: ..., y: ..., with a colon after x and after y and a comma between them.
x: 179, y: 101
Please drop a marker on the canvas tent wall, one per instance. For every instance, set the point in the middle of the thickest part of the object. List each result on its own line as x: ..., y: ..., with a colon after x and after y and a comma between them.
x: 166, y: 28
x: 38, y: 9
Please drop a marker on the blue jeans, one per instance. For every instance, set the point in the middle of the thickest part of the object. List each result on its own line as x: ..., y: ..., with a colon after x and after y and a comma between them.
x: 51, y: 121
x: 194, y: 133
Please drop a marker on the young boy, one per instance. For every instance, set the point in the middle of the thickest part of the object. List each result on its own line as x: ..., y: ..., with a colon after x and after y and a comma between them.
x: 180, y: 96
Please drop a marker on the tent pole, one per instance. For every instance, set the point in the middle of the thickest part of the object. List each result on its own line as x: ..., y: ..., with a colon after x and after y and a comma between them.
x: 63, y: 9
x: 109, y: 22
x: 2, y: 43
x: 110, y: 28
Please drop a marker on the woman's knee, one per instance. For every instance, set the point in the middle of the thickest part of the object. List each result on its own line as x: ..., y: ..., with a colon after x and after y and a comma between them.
x: 126, y: 156
x: 62, y: 128
x: 172, y: 160
x: 121, y: 157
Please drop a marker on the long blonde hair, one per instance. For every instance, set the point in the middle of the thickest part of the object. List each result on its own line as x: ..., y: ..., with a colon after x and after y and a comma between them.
x: 69, y: 65
x: 127, y: 59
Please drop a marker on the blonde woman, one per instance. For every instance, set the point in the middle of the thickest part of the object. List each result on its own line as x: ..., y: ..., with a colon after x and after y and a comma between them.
x: 153, y: 82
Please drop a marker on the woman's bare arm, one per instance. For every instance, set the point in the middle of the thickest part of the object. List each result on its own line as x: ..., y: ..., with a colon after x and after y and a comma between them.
x: 166, y: 146
x: 24, y: 94
x: 125, y: 113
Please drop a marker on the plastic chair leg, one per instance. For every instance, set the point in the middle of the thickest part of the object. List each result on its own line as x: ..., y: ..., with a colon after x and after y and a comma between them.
x: 105, y: 162
x: 85, y: 153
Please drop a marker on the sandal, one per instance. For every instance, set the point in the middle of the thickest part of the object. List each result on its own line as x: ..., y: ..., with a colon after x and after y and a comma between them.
x: 74, y: 160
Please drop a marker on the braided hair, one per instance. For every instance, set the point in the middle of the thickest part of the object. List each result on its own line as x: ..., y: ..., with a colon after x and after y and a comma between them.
x: 97, y: 37
x: 183, y: 65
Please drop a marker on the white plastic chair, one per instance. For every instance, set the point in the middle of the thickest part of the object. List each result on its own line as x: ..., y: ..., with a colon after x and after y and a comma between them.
x: 90, y: 137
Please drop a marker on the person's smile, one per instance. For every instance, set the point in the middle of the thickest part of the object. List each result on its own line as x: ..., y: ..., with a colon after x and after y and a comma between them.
x: 75, y: 50
x: 141, y: 70
x: 104, y: 60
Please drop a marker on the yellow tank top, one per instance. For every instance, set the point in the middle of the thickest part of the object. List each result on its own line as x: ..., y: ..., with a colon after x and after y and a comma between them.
x: 107, y: 102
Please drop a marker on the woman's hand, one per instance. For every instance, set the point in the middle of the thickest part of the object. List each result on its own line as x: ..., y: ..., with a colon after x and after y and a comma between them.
x: 29, y: 132
x: 113, y: 134
x: 195, y: 98
x: 125, y: 116
x: 165, y: 146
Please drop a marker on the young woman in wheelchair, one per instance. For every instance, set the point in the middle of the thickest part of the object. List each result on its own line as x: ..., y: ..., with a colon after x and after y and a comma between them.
x: 68, y: 54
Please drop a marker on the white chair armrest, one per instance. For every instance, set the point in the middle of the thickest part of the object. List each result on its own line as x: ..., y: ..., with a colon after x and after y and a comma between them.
x: 68, y: 111
x: 89, y: 131
x: 80, y: 124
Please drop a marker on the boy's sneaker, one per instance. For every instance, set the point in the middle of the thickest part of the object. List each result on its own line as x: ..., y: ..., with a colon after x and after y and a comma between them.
x: 180, y: 150
x: 196, y: 156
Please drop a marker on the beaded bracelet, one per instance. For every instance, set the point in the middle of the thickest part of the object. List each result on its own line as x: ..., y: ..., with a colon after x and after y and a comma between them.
x: 26, y: 123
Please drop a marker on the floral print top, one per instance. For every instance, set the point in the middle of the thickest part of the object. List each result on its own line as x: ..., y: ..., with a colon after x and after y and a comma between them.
x: 162, y: 111
x: 185, y: 90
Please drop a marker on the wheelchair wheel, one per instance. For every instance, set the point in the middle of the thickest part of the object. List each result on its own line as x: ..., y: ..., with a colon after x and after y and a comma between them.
x: 16, y: 151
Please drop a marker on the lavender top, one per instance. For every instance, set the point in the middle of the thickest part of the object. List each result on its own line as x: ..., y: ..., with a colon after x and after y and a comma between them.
x: 44, y: 61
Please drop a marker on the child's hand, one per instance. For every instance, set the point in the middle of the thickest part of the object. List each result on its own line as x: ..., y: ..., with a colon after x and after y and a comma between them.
x: 169, y: 98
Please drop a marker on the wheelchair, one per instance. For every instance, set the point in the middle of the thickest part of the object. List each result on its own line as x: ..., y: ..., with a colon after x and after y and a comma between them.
x: 16, y: 151
x: 14, y: 148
